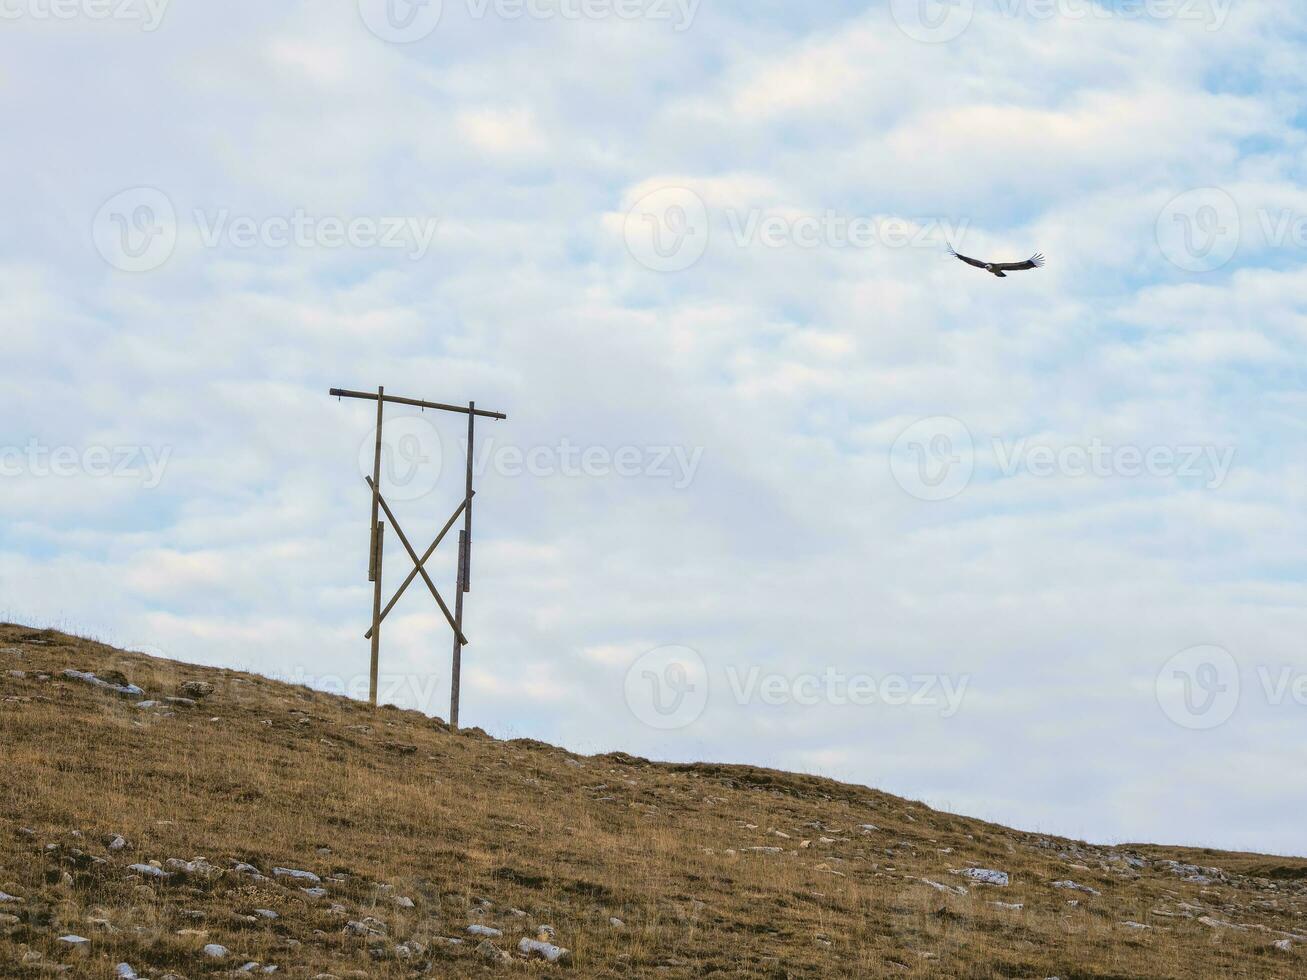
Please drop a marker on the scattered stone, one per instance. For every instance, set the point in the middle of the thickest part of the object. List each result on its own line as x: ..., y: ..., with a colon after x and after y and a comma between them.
x: 315, y: 892
x: 196, y: 690
x: 9, y: 898
x: 404, y: 902
x: 952, y: 890
x: 1131, y: 924
x: 266, y: 914
x: 616, y: 923
x: 117, y: 843
x: 1010, y: 906
x: 86, y: 677
x: 124, y: 971
x: 488, y: 950
x: 985, y: 876
x: 543, y: 950
x: 216, y: 951
x: 1068, y: 884
x: 293, y: 873
x: 480, y: 930
x: 78, y: 944
x: 149, y: 870
x: 366, y: 927
x: 1284, y: 945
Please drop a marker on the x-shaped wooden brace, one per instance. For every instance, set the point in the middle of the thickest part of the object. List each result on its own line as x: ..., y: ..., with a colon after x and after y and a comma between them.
x: 419, y: 563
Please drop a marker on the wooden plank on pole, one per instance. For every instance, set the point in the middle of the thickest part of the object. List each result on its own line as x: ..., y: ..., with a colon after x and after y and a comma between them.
x: 376, y: 553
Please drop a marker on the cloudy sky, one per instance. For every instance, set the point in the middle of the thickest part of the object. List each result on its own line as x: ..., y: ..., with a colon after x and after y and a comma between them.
x: 781, y: 482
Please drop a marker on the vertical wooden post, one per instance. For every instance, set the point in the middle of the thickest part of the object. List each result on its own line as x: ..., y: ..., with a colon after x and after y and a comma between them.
x: 464, y: 574
x: 375, y: 563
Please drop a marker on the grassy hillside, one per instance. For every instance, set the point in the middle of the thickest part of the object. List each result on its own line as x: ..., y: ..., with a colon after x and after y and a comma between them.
x: 152, y: 828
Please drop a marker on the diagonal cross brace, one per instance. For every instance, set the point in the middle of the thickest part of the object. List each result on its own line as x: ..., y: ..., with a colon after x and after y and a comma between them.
x: 414, y: 574
x: 419, y: 562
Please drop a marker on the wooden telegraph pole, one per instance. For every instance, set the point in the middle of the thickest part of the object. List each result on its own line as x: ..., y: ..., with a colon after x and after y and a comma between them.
x: 374, y: 561
x: 464, y: 572
x: 379, y: 505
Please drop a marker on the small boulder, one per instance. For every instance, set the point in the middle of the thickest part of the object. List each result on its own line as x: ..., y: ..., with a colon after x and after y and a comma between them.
x: 488, y: 950
x: 79, y: 945
x: 542, y: 950
x: 195, y: 690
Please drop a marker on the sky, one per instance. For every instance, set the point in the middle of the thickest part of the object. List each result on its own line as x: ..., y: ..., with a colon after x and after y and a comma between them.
x: 781, y: 482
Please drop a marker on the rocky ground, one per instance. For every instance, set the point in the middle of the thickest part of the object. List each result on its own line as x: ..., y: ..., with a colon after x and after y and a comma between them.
x: 159, y: 820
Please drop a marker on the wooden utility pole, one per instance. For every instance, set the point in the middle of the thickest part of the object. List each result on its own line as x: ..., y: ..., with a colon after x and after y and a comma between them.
x: 374, y: 561
x: 464, y: 572
x: 379, y: 506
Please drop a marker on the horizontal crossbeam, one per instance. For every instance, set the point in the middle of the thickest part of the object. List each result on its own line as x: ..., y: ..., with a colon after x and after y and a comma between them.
x: 416, y: 402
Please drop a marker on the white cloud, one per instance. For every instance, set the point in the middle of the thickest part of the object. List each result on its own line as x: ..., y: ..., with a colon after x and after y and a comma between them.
x: 793, y: 369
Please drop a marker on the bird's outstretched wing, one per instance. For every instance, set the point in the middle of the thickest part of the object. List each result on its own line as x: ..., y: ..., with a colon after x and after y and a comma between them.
x: 969, y: 261
x: 1035, y: 261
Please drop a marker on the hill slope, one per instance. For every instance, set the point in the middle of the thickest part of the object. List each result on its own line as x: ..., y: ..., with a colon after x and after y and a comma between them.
x: 412, y: 834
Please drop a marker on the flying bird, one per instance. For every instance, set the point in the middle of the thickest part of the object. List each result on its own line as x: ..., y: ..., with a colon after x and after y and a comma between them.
x: 1001, y: 269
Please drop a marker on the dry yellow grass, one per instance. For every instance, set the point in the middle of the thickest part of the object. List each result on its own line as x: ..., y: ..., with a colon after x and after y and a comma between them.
x: 387, y: 805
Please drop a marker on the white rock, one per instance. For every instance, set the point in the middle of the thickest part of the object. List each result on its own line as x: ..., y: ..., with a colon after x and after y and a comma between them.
x: 149, y: 870
x: 959, y: 890
x: 293, y: 873
x: 1010, y: 906
x: 86, y: 677
x: 315, y: 892
x: 266, y: 913
x: 9, y: 898
x: 78, y: 944
x: 546, y: 951
x: 490, y: 951
x: 480, y: 930
x: 1131, y: 924
x: 216, y: 951
x: 118, y: 843
x: 616, y: 923
x: 404, y: 902
x: 124, y: 971
x: 1074, y: 887
x: 986, y: 876
x: 1283, y: 944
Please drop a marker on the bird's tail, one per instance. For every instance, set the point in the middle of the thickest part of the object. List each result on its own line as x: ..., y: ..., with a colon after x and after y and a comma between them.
x: 1037, y: 260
